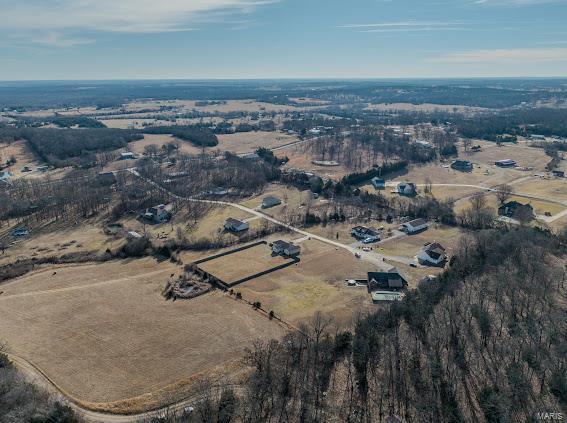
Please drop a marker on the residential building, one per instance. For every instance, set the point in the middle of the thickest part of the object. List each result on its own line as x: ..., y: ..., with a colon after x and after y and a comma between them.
x: 157, y: 214
x: 514, y: 209
x: 391, y: 279
x: 386, y: 296
x: 127, y: 156
x: 365, y: 234
x: 19, y: 232
x: 270, y: 201
x: 234, y: 225
x: 407, y: 188
x: 433, y: 254
x: 414, y: 226
x: 462, y: 165
x: 287, y: 249
x: 378, y: 183
x: 505, y: 163
x: 218, y: 191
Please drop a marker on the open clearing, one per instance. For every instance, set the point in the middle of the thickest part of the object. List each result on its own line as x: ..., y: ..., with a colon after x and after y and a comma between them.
x: 245, y: 142
x: 241, y: 264
x: 316, y: 283
x: 105, y: 336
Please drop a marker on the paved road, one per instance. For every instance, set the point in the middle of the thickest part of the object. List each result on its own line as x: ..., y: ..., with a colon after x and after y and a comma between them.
x: 371, y: 257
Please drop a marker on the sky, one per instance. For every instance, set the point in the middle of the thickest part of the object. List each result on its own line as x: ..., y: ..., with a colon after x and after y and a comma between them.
x: 234, y: 39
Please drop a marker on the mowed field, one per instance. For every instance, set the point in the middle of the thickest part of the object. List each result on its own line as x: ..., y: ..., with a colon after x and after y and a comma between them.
x: 244, y: 263
x: 245, y: 142
x: 316, y: 284
x: 106, y: 337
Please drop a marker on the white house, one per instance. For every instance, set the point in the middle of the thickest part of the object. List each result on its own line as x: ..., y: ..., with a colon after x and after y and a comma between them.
x: 414, y: 226
x: 127, y: 156
x: 407, y: 188
x: 234, y: 225
x: 285, y: 248
x: 432, y: 254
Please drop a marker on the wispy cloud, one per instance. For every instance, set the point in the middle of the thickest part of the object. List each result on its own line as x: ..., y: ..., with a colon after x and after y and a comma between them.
x: 54, y: 22
x: 409, y: 26
x: 57, y: 40
x: 505, y: 56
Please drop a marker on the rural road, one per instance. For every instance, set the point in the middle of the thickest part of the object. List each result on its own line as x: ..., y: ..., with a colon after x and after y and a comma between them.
x: 34, y: 375
x: 371, y: 257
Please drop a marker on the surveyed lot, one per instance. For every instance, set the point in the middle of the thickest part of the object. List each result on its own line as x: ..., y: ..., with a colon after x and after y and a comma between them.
x: 315, y: 284
x: 106, y: 337
x: 242, y: 264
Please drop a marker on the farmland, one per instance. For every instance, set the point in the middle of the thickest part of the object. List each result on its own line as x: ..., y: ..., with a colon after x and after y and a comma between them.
x: 109, y: 339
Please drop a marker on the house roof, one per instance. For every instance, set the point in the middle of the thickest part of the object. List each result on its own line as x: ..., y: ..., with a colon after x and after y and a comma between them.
x: 234, y: 222
x: 514, y: 205
x: 383, y: 277
x: 417, y: 222
x: 434, y: 250
x: 271, y: 200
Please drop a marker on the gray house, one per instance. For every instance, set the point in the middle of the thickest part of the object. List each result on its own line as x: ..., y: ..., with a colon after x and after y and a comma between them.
x: 270, y: 201
x: 234, y: 225
x: 385, y: 280
x: 157, y: 214
x: 286, y: 249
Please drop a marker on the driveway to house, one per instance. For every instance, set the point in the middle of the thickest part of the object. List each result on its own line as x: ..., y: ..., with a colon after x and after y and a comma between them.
x: 370, y: 256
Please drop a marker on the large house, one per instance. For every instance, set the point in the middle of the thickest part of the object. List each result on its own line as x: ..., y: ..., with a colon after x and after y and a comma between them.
x: 414, y: 226
x: 514, y: 209
x: 432, y: 254
x: 462, y: 165
x: 270, y: 201
x: 234, y: 225
x: 378, y: 183
x: 407, y: 188
x: 367, y: 235
x: 286, y: 249
x: 157, y: 214
x: 505, y: 163
x: 386, y: 280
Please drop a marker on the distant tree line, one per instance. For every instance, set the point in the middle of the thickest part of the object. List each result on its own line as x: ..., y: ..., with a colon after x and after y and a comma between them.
x: 201, y: 137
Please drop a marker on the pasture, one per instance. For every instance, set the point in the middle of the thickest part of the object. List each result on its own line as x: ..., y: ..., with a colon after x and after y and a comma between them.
x: 107, y: 338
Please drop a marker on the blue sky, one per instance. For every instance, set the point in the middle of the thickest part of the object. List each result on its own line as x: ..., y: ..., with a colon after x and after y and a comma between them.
x: 122, y: 39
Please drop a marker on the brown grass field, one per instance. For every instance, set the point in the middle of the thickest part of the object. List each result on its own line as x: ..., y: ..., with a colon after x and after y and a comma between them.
x: 106, y: 337
x: 243, y: 263
x: 245, y: 142
x: 315, y: 284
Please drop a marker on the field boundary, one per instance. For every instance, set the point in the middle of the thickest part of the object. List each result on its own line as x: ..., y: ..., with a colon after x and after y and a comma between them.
x: 218, y: 282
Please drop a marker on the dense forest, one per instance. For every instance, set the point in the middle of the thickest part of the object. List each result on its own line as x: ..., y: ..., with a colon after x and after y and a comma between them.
x: 201, y: 137
x: 541, y: 121
x: 64, y: 147
x: 490, y: 93
x: 482, y: 343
